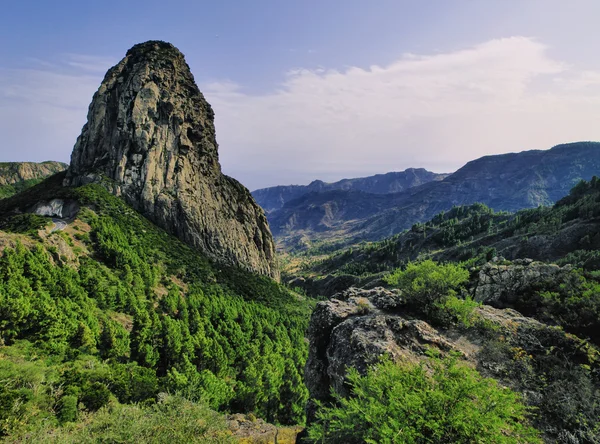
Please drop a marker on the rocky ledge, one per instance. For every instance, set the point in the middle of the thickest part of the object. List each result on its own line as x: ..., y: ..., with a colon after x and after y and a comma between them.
x: 500, y: 283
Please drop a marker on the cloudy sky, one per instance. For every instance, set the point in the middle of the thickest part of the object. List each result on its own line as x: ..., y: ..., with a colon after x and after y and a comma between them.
x: 320, y: 88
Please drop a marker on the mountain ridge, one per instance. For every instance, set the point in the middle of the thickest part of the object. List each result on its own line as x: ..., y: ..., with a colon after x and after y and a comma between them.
x: 506, y: 182
x: 274, y: 198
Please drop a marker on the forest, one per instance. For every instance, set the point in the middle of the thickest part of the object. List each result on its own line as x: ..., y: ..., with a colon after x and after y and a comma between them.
x: 112, y: 328
x: 120, y: 311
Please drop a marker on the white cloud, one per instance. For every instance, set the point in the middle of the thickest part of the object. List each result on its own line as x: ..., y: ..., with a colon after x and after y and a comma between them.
x: 435, y: 111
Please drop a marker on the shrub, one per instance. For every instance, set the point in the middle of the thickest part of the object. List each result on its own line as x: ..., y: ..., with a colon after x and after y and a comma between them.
x: 67, y: 409
x: 445, y: 401
x: 428, y: 282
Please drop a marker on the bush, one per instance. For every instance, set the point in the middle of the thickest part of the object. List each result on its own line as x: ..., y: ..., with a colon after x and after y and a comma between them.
x: 172, y: 420
x: 443, y: 401
x: 428, y: 282
x: 431, y: 290
x: 67, y: 409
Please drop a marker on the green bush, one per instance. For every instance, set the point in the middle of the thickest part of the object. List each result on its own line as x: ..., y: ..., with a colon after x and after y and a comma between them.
x: 171, y: 420
x: 443, y: 401
x: 431, y: 290
x: 428, y: 282
x: 67, y: 409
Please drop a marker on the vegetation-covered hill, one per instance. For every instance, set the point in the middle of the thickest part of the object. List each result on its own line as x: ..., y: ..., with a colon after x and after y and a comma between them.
x: 569, y: 231
x: 507, y: 182
x: 18, y: 176
x: 113, y: 311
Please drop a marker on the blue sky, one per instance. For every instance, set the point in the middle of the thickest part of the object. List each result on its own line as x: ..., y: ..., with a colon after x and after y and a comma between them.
x: 320, y: 89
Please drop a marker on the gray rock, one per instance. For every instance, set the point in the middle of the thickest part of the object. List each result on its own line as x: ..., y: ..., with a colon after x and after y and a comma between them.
x: 500, y: 285
x: 150, y: 138
x: 56, y: 208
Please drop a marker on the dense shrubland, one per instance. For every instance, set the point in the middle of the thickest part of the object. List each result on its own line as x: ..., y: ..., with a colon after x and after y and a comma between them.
x: 440, y: 400
x: 135, y: 314
x: 135, y: 329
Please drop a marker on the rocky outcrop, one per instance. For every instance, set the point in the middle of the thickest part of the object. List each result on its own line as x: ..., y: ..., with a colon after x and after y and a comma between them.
x: 357, y: 327
x: 247, y: 429
x: 354, y: 329
x: 15, y: 172
x: 501, y: 284
x: 64, y: 209
x: 150, y: 138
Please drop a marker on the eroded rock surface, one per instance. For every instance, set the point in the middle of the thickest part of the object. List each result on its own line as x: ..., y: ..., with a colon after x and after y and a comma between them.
x: 14, y: 172
x: 357, y: 327
x: 56, y: 208
x: 150, y: 138
x: 501, y: 284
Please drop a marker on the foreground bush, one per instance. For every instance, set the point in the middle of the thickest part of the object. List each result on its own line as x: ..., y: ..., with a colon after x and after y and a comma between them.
x: 172, y: 420
x: 443, y: 401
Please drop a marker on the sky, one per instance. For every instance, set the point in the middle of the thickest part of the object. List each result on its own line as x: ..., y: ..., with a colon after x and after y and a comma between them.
x: 327, y: 89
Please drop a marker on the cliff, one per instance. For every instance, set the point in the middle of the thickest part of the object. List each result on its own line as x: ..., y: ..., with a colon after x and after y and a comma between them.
x: 150, y: 138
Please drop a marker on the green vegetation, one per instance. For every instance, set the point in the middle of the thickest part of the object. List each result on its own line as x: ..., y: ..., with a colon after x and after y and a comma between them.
x: 15, y: 188
x: 441, y: 400
x: 560, y: 374
x: 26, y: 223
x: 573, y: 302
x: 432, y: 290
x: 195, y: 423
x: 139, y: 314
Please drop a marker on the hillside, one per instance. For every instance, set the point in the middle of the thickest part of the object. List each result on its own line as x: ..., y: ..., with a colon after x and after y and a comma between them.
x: 505, y: 182
x: 568, y: 232
x: 114, y: 309
x: 273, y: 198
x: 18, y: 176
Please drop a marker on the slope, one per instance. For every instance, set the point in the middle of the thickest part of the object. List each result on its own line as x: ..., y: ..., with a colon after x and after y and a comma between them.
x: 120, y: 310
x: 505, y: 183
x: 18, y: 176
x: 273, y: 198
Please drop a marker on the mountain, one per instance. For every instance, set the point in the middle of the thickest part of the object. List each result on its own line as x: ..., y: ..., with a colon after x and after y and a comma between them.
x: 274, y: 198
x: 109, y: 309
x: 567, y: 232
x: 150, y: 137
x: 17, y: 176
x: 503, y: 182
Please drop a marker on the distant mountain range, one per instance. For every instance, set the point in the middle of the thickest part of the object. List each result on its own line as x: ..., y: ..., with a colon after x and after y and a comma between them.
x: 274, y: 198
x: 503, y: 182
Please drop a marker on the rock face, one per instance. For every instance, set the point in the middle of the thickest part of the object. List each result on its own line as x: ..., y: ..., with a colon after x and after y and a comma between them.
x: 354, y: 329
x: 357, y: 327
x: 56, y: 208
x: 14, y: 172
x: 151, y: 133
x: 501, y: 285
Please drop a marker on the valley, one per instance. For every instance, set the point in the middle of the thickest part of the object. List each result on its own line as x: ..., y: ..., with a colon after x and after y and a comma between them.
x: 145, y: 296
